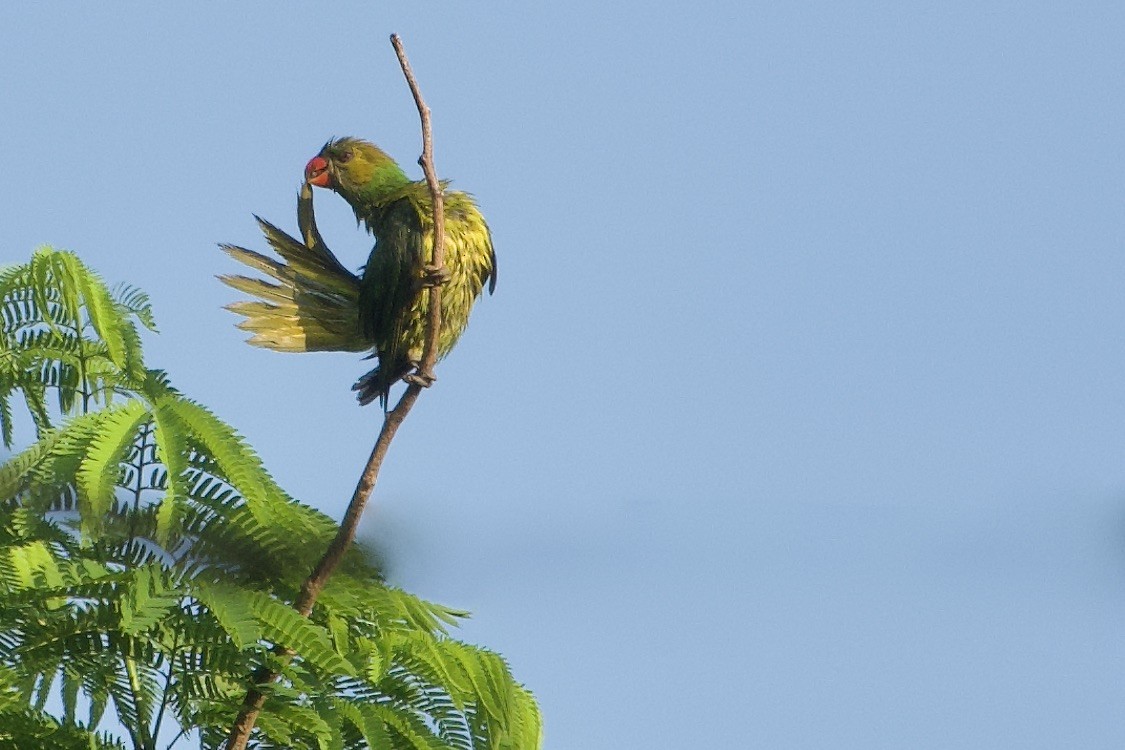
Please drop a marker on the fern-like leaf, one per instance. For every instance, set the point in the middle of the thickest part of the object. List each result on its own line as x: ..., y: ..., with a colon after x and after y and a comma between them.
x: 100, y: 470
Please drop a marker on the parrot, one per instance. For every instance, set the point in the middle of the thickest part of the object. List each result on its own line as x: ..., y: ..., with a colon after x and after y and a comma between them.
x: 314, y: 303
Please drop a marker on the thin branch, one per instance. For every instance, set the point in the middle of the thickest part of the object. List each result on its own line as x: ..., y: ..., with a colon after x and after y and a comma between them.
x: 345, y: 535
x: 176, y: 738
x: 82, y: 379
x: 167, y: 689
x: 437, y: 259
x: 141, y: 737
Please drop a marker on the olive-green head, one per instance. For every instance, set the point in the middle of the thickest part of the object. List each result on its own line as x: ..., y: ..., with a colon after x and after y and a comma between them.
x: 358, y: 170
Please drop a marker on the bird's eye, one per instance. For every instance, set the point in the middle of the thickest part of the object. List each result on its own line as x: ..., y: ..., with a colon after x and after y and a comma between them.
x: 345, y: 156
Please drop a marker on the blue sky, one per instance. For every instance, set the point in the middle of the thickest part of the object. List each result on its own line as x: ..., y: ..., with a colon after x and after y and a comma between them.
x: 796, y: 418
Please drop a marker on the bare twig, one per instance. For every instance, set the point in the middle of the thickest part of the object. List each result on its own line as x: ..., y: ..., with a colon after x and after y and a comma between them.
x: 314, y: 584
x: 437, y: 260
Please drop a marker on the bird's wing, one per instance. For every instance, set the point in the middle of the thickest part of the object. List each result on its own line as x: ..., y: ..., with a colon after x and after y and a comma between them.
x: 312, y: 302
x: 390, y: 287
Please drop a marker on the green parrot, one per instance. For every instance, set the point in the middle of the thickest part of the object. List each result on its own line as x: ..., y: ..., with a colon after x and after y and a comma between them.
x: 315, y: 304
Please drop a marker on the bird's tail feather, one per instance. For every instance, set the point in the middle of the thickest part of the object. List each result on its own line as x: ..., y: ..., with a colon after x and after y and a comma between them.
x: 310, y: 302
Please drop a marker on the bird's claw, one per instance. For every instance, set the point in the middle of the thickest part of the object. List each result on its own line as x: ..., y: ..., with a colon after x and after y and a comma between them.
x: 420, y: 379
x: 434, y: 276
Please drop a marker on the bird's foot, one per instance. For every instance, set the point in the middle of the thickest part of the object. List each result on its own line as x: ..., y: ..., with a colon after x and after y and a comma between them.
x: 434, y: 276
x: 420, y: 379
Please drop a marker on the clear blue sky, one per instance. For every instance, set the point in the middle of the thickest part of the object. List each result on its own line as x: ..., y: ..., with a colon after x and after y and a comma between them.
x: 797, y: 418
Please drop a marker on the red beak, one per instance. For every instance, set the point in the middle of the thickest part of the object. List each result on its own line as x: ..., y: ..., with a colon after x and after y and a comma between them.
x: 316, y: 172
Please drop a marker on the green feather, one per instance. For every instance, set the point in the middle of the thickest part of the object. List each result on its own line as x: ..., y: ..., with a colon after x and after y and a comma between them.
x: 399, y: 213
x: 318, y: 305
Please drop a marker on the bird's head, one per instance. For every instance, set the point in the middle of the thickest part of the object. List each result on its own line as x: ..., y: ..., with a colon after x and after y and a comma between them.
x: 356, y: 169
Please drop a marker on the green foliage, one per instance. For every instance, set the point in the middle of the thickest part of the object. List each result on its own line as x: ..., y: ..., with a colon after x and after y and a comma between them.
x: 63, y: 330
x: 148, y: 563
x: 23, y: 726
